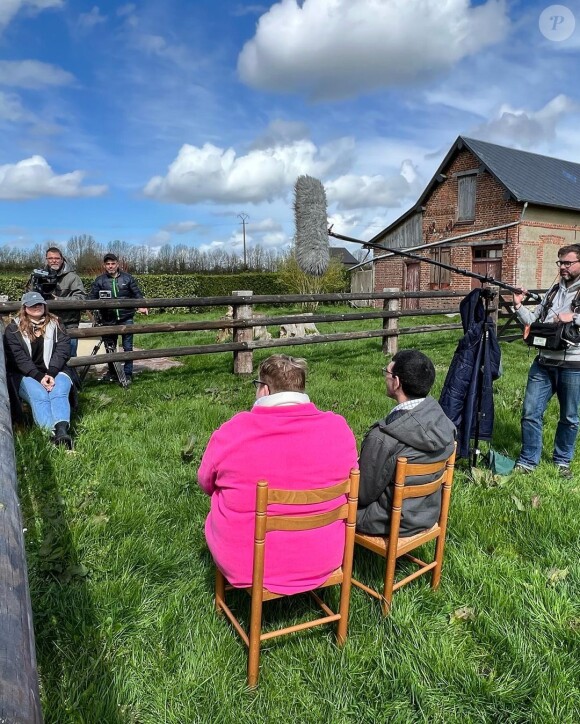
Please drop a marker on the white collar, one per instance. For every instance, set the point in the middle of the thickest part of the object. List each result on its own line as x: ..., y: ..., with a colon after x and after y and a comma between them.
x: 279, y: 399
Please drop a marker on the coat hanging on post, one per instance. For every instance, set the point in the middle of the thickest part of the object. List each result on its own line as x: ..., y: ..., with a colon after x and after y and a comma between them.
x: 459, y: 397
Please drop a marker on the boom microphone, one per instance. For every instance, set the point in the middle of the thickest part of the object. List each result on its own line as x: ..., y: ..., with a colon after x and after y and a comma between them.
x: 312, y: 245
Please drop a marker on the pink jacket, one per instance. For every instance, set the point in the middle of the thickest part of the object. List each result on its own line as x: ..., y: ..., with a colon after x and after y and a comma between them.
x: 294, y: 446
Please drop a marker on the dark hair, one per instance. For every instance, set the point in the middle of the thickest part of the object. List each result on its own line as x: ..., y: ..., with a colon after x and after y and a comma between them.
x: 110, y: 257
x: 55, y: 250
x: 415, y: 371
x: 283, y: 373
x: 570, y: 249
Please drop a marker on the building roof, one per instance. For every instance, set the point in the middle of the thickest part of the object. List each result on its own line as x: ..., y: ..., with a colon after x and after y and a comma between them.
x: 540, y: 180
x: 342, y: 255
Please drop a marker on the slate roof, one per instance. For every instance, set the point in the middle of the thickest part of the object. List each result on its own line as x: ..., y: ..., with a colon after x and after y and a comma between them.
x: 343, y: 255
x: 541, y: 180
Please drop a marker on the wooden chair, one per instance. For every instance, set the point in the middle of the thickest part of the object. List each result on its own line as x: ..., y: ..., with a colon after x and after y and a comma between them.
x: 392, y: 546
x: 265, y: 522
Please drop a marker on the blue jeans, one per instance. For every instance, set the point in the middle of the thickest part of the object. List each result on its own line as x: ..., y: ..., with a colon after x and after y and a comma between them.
x: 48, y: 408
x: 127, y: 342
x: 543, y: 382
x: 74, y: 344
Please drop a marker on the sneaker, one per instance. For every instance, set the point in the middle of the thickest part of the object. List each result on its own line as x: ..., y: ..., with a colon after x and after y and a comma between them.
x: 523, y: 470
x: 565, y: 471
x: 107, y: 377
x: 129, y: 379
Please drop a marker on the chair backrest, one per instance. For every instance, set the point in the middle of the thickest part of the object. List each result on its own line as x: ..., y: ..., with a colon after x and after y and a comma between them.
x: 443, y: 470
x: 266, y: 522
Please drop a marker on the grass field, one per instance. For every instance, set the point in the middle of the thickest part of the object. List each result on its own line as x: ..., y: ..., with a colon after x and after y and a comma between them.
x: 121, y: 580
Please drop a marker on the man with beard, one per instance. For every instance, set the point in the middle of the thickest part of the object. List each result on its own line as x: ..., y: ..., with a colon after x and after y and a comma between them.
x: 553, y: 371
x: 67, y: 285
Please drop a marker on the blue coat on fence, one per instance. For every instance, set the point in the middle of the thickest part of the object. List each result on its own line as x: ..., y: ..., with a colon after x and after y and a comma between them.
x: 460, y: 391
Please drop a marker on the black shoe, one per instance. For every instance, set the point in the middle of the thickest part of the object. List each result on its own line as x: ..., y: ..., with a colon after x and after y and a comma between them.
x: 129, y: 379
x: 61, y: 436
x: 107, y: 377
x: 564, y: 471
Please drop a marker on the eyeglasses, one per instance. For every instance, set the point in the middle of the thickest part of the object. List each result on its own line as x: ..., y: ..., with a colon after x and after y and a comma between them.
x: 257, y: 383
x: 566, y: 264
x: 386, y: 372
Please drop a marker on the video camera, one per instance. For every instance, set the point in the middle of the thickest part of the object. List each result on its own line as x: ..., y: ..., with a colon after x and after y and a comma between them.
x: 44, y: 282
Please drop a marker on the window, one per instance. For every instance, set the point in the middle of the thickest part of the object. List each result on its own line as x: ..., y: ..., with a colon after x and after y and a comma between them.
x: 440, y: 278
x: 466, y: 186
x: 489, y: 252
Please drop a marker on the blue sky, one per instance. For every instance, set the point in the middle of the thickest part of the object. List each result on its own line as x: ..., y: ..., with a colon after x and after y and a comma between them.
x: 161, y: 121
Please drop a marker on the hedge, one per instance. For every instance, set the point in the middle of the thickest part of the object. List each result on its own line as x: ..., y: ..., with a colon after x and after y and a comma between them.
x: 169, y: 286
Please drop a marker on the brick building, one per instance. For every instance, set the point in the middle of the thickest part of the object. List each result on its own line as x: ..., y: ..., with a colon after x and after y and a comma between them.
x: 488, y: 209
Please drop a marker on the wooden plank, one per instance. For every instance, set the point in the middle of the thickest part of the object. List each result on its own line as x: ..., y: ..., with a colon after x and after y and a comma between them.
x: 19, y: 692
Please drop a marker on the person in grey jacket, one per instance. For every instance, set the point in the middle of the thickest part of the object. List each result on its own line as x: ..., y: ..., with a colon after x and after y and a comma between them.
x: 416, y: 428
x: 64, y: 283
x: 553, y: 371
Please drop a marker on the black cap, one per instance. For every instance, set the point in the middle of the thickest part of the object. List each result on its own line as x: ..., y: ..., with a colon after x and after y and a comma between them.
x: 110, y: 257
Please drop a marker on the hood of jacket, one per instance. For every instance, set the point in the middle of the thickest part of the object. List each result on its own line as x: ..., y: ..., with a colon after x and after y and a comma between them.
x: 425, y: 427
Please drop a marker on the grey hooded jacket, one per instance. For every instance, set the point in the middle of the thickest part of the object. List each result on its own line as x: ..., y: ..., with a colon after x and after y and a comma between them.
x: 69, y: 285
x: 423, y: 435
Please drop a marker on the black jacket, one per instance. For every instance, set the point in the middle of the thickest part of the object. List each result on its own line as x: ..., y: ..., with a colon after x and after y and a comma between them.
x: 423, y: 435
x: 460, y: 391
x: 123, y: 286
x: 19, y: 363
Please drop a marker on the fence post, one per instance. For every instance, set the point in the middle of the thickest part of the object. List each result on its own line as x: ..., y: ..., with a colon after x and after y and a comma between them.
x: 19, y: 692
x: 495, y: 315
x: 391, y: 344
x: 243, y: 361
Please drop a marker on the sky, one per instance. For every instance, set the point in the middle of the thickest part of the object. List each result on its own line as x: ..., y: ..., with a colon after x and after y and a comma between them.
x: 167, y: 121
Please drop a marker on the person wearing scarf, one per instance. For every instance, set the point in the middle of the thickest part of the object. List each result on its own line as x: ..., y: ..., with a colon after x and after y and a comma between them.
x: 37, y: 350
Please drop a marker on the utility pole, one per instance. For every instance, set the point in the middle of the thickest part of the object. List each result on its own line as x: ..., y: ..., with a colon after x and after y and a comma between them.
x: 244, y: 217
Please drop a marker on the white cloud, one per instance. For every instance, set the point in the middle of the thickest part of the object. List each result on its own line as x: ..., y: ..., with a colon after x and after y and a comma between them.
x: 11, y: 108
x: 181, y: 227
x: 32, y: 74
x: 338, y: 48
x: 9, y: 8
x: 89, y: 20
x: 33, y: 178
x: 525, y: 128
x: 358, y: 192
x: 216, y: 175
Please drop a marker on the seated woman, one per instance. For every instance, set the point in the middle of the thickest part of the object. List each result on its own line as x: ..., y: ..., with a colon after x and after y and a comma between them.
x: 287, y: 441
x: 37, y: 350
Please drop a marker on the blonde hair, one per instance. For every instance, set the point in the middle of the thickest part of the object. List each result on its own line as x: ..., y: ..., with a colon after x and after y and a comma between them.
x: 25, y: 323
x: 283, y: 373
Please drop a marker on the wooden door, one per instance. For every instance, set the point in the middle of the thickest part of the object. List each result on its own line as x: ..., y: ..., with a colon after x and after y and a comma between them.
x: 485, y: 267
x: 412, y: 283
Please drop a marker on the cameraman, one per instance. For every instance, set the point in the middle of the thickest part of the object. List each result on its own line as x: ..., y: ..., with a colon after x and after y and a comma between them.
x: 60, y: 282
x: 554, y: 370
x: 116, y: 284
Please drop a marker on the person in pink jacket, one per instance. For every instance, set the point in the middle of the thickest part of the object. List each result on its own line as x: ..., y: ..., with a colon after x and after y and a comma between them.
x: 287, y: 441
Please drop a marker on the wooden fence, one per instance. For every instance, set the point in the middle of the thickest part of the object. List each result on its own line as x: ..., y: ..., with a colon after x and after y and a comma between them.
x: 19, y: 699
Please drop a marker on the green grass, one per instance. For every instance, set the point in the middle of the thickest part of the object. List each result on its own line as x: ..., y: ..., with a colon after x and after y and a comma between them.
x: 121, y: 581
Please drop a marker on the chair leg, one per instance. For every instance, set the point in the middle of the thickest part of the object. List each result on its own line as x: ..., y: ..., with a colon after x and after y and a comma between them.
x: 388, y: 586
x: 220, y: 589
x: 342, y: 629
x: 254, y: 641
x: 439, y: 548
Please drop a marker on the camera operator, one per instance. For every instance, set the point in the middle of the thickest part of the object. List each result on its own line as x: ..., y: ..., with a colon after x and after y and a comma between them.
x: 556, y: 369
x: 59, y: 281
x: 117, y: 284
